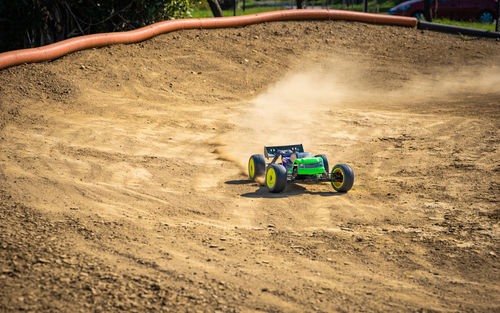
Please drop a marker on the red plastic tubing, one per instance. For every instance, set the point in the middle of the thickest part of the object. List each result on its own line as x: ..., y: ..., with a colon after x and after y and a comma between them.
x: 64, y: 47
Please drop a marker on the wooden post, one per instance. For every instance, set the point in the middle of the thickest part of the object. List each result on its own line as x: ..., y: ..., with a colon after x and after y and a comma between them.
x: 215, y: 7
x: 427, y: 10
x: 365, y: 5
x: 498, y: 15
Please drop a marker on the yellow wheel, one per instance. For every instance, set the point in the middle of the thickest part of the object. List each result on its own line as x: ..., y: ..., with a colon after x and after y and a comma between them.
x: 276, y: 178
x: 256, y: 166
x: 271, y: 178
x: 251, y: 168
x: 339, y: 178
x: 342, y: 177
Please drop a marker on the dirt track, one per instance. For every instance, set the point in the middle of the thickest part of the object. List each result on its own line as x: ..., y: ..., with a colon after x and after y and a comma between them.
x: 122, y: 188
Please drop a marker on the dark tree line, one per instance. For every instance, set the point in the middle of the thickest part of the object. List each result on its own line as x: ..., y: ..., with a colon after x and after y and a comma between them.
x: 32, y: 23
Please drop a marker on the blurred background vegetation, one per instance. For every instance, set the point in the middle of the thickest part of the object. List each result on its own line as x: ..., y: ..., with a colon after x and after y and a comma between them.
x: 33, y: 23
x: 202, y: 9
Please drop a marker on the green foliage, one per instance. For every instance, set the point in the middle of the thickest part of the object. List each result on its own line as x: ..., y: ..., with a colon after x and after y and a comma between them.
x: 201, y: 9
x: 202, y: 12
x: 30, y: 23
x: 478, y: 25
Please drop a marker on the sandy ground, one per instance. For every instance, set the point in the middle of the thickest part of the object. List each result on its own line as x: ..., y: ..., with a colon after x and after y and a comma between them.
x: 123, y: 183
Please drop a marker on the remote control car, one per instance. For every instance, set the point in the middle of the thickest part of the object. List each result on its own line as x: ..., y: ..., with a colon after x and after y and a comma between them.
x: 297, y: 166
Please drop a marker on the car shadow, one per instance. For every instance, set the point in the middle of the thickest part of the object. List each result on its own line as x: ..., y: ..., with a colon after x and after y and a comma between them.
x: 290, y: 191
x: 239, y: 182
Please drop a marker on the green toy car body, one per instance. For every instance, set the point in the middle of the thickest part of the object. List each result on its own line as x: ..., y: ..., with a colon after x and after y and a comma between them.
x: 297, y: 166
x: 309, y: 166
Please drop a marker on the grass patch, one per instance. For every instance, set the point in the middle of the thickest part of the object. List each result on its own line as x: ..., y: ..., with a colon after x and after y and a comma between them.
x: 203, y: 10
x: 373, y: 7
x: 252, y: 7
x: 207, y: 13
x: 490, y: 27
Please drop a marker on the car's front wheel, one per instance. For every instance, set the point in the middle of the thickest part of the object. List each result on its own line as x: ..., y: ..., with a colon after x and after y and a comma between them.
x: 342, y: 177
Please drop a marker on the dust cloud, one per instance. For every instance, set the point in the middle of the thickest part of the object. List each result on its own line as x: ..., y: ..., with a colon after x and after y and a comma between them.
x: 445, y: 84
x: 292, y: 111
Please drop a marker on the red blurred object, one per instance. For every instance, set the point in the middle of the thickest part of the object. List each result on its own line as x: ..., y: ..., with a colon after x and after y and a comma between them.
x: 484, y: 11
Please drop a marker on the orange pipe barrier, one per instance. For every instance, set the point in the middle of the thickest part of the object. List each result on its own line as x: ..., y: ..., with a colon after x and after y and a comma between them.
x: 64, y: 47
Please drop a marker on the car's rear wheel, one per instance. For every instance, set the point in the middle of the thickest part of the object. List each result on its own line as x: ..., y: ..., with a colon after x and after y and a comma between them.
x: 342, y: 177
x: 256, y: 166
x: 325, y: 162
x: 486, y: 17
x: 276, y: 178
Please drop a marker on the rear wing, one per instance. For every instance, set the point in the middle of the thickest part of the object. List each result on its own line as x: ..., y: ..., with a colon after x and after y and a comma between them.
x: 270, y: 152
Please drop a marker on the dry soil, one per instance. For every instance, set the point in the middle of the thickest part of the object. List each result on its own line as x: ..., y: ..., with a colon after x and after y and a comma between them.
x: 123, y: 184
